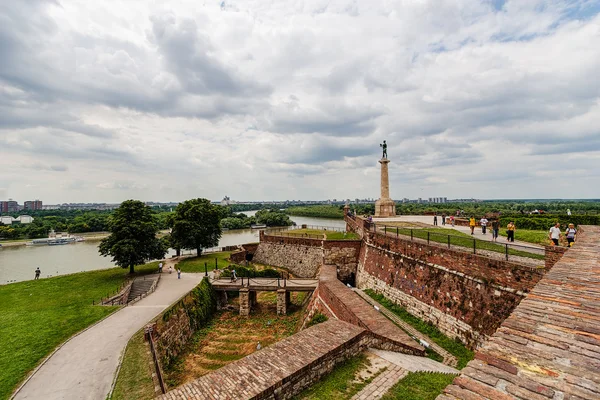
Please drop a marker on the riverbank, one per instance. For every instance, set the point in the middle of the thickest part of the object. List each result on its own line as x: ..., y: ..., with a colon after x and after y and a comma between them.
x: 37, y: 316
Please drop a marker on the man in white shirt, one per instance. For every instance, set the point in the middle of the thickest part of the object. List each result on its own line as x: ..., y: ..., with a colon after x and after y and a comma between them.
x: 483, y: 222
x: 555, y: 234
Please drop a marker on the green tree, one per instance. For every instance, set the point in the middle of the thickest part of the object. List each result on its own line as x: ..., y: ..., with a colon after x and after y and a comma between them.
x: 196, y: 225
x: 132, y: 239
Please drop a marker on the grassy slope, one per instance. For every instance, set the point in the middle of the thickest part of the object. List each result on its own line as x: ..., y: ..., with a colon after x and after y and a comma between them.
x: 135, y: 377
x: 530, y: 236
x: 37, y: 316
x: 457, y: 238
x: 455, y: 348
x: 419, y: 386
x: 196, y: 264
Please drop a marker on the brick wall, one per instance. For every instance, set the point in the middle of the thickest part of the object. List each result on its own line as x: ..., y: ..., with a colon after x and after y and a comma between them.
x: 462, y: 305
x: 344, y: 255
x: 553, y: 255
x: 283, y: 369
x: 239, y: 257
x: 301, y: 260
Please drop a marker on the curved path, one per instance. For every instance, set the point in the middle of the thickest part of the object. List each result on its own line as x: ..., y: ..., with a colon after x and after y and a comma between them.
x: 84, y: 367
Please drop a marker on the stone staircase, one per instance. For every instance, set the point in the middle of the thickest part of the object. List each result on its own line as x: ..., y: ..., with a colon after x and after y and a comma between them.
x: 449, y: 359
x: 142, y: 286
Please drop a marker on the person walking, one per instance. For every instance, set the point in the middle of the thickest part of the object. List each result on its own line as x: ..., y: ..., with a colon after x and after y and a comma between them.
x: 570, y: 233
x: 495, y: 229
x: 178, y: 273
x: 435, y: 220
x: 472, y: 224
x: 483, y: 222
x: 160, y: 265
x: 443, y: 219
x: 554, y: 233
x: 452, y: 220
x: 37, y: 273
x: 170, y: 269
x: 510, y: 231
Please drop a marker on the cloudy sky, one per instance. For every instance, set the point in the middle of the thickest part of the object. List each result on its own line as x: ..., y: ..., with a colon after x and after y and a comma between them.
x: 277, y: 99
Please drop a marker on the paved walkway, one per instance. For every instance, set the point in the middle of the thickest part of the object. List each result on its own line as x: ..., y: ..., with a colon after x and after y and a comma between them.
x: 428, y: 219
x: 381, y: 384
x: 85, y: 366
x: 449, y: 359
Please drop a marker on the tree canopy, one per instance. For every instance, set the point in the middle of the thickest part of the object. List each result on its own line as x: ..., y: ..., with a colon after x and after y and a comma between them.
x: 132, y: 239
x: 196, y: 225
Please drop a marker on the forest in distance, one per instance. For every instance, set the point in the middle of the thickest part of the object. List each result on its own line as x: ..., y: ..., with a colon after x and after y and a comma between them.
x: 535, y: 214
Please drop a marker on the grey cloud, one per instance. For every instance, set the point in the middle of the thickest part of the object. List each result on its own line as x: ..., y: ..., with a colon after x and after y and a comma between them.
x: 44, y: 167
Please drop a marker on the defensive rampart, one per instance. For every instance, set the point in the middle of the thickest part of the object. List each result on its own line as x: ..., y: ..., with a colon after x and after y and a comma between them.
x: 549, y: 347
x: 466, y: 296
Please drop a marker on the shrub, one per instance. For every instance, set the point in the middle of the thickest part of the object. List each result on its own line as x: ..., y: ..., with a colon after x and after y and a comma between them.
x: 316, y: 319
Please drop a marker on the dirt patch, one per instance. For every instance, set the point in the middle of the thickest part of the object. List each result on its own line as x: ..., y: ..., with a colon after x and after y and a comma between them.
x: 230, y: 337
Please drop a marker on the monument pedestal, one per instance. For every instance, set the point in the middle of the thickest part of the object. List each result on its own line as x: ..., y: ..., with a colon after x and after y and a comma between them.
x: 385, y: 206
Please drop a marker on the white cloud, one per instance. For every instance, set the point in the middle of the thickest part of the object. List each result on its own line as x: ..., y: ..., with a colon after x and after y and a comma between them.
x: 103, y: 101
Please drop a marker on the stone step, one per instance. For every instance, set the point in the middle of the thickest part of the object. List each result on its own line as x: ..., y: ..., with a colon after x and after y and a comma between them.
x: 414, y: 363
x: 449, y: 359
x: 141, y: 286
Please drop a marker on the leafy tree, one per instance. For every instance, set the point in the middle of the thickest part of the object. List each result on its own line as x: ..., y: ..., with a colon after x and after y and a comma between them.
x: 133, y: 238
x: 273, y: 218
x: 196, y: 225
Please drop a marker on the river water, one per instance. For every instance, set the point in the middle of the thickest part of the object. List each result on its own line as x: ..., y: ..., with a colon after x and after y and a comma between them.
x: 18, y: 263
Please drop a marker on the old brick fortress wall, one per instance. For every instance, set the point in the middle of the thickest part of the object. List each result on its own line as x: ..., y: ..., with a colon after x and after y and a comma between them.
x: 304, y: 256
x: 465, y: 295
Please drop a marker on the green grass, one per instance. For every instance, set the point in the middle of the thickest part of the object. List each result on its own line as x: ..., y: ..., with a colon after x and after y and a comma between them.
x: 135, y: 377
x: 530, y: 236
x: 419, y: 386
x: 342, y: 235
x: 37, y: 316
x: 457, y: 238
x: 457, y: 349
x: 196, y: 264
x: 339, y: 384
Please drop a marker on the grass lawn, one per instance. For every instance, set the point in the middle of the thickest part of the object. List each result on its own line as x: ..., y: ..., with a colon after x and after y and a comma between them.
x: 457, y: 238
x: 530, y: 236
x: 230, y: 337
x: 135, y: 377
x: 419, y: 386
x: 196, y: 264
x: 342, y: 383
x: 319, y: 234
x: 463, y: 354
x: 37, y: 316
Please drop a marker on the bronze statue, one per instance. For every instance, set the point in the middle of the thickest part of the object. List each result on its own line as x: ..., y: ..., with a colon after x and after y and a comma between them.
x: 384, y: 146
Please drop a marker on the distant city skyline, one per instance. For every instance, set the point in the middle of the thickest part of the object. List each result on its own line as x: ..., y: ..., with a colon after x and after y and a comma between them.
x: 106, y: 101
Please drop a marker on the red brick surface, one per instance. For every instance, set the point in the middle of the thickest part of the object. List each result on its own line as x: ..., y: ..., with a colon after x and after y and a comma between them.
x: 549, y: 347
x: 280, y: 370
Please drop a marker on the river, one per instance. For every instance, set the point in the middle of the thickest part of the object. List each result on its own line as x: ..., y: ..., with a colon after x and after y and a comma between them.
x: 18, y: 263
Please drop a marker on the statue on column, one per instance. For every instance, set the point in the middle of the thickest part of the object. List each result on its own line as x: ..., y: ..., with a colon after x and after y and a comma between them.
x: 384, y: 146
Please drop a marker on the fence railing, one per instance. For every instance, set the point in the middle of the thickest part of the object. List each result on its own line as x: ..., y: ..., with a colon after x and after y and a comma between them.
x: 462, y: 243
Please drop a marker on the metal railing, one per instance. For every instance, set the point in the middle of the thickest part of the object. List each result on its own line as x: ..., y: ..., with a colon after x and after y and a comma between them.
x: 461, y: 243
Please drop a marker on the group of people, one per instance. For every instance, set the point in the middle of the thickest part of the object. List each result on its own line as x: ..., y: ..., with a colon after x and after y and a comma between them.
x: 570, y: 234
x: 495, y: 225
x: 160, y: 270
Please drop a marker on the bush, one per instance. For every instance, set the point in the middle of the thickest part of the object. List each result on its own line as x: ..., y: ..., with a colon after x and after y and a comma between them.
x: 545, y: 221
x: 316, y: 319
x: 200, y: 305
x: 245, y: 272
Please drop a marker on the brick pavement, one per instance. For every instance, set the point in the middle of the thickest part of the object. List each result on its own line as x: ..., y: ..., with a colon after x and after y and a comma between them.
x: 449, y: 359
x: 282, y: 369
x: 381, y: 384
x: 549, y: 347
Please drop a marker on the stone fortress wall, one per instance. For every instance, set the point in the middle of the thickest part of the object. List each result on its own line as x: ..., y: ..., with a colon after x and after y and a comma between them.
x: 466, y: 296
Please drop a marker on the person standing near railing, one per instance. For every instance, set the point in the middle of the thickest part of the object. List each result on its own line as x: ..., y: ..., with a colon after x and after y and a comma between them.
x: 571, y: 232
x: 495, y: 230
x: 554, y: 233
x: 510, y: 231
x: 472, y: 224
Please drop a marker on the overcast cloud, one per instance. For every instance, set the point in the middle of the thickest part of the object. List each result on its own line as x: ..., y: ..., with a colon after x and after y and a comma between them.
x: 261, y: 100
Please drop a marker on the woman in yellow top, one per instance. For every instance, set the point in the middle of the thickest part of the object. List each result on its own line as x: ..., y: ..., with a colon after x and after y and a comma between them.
x: 472, y: 224
x: 510, y: 231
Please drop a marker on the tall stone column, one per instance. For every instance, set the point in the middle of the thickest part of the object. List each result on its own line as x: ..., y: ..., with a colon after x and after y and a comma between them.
x: 385, y: 206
